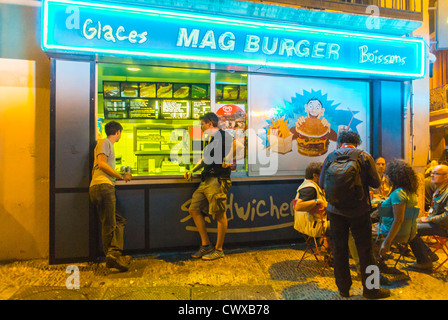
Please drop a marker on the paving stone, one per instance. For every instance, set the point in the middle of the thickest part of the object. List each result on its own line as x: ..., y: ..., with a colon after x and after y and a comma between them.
x: 57, y: 293
x: 153, y: 293
x: 234, y: 293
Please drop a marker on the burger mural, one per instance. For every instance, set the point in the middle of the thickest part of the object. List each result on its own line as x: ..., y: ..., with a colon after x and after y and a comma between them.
x: 311, y: 121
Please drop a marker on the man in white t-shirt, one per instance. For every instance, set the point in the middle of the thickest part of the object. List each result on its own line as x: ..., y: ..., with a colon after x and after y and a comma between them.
x: 102, y: 195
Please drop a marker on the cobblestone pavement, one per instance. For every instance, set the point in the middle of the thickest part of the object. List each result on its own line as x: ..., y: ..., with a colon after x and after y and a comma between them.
x: 268, y: 273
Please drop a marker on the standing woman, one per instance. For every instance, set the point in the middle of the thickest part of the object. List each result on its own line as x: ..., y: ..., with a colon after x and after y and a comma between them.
x: 404, y: 183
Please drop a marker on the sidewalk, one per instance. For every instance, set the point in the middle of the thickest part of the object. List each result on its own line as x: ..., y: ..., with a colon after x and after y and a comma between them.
x: 267, y: 273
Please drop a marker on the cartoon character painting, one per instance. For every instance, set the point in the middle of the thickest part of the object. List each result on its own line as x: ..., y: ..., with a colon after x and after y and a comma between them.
x: 313, y: 121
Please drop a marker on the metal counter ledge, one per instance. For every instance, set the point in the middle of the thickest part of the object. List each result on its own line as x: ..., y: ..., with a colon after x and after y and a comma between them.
x: 175, y: 179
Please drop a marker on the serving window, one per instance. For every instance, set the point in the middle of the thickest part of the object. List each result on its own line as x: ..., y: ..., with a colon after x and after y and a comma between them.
x: 159, y: 109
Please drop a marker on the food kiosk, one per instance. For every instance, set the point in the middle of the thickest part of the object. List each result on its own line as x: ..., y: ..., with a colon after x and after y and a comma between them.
x: 284, y: 90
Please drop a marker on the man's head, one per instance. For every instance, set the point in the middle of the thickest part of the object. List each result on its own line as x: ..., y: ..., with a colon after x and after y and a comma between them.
x: 349, y: 137
x: 113, y: 130
x: 380, y: 163
x: 312, y: 171
x: 439, y: 176
x: 209, y: 121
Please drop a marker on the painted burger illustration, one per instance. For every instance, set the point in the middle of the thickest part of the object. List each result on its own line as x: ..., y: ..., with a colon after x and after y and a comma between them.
x: 312, y: 137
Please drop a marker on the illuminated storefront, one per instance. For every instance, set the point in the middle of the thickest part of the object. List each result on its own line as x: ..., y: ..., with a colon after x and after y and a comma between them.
x: 157, y: 70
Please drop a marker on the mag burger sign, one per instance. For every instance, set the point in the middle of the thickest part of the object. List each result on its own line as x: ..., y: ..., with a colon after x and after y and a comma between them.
x: 102, y: 28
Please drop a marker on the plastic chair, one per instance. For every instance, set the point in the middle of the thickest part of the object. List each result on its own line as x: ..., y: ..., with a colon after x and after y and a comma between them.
x: 316, y: 246
x: 441, y: 244
x: 408, y: 228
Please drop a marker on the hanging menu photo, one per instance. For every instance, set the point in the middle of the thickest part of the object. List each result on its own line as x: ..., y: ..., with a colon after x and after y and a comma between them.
x: 143, y: 109
x: 181, y: 91
x: 147, y: 90
x: 111, y: 89
x: 199, y: 91
x: 175, y: 109
x: 129, y: 89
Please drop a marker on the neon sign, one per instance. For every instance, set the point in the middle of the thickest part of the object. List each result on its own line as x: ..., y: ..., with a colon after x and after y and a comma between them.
x: 87, y: 27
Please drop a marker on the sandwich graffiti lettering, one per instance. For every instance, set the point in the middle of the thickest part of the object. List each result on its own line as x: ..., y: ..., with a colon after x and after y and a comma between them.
x: 262, y: 212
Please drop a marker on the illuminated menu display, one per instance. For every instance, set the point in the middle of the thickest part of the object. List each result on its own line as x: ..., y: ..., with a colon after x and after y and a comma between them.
x: 115, y: 109
x: 200, y: 108
x: 143, y: 109
x: 175, y: 109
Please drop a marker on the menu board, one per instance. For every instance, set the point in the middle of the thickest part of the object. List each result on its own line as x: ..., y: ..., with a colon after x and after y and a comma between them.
x: 143, y: 109
x: 147, y: 90
x: 115, y: 109
x: 200, y: 108
x: 243, y: 93
x: 231, y: 92
x: 111, y: 89
x: 181, y: 91
x: 129, y: 89
x: 125, y: 89
x: 164, y: 90
x: 175, y: 109
x: 199, y: 91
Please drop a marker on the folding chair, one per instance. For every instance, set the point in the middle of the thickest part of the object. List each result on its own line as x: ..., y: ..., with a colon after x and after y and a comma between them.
x: 441, y: 244
x: 408, y: 228
x: 317, y: 246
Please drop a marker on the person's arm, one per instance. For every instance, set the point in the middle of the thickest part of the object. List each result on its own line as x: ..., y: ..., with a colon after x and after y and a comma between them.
x: 322, y: 173
x: 436, y: 218
x: 308, y: 205
x: 373, y: 178
x: 102, y: 164
x: 197, y: 167
x: 398, y: 210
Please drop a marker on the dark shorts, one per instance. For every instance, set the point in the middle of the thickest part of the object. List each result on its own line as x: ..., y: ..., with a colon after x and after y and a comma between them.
x: 211, y: 196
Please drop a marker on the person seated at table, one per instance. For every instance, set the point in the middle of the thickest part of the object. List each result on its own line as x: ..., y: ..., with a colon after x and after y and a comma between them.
x: 430, y: 167
x: 436, y: 223
x: 378, y: 195
x: 310, y: 203
x: 404, y: 183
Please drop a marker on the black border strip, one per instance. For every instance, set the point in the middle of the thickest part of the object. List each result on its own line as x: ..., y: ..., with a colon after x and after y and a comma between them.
x: 52, y: 160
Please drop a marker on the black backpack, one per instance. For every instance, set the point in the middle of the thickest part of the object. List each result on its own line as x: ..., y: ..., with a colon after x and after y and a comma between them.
x: 343, y: 183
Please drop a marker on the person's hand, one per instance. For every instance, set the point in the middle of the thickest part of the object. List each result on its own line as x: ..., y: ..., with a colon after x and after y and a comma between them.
x: 385, y: 248
x: 325, y: 123
x: 127, y: 177
x: 226, y: 165
x: 300, y: 121
x: 423, y: 219
x: 320, y: 203
x: 188, y: 175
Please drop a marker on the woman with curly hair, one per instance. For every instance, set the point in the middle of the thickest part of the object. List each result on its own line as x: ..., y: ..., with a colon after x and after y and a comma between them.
x: 404, y: 183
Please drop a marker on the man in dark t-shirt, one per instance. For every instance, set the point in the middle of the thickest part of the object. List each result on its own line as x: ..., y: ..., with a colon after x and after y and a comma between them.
x: 211, y: 195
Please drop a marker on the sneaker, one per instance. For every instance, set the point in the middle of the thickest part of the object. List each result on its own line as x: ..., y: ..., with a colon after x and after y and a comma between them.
x: 215, y: 254
x: 434, y: 257
x: 203, y: 250
x: 384, y: 268
x: 344, y: 294
x: 421, y: 267
x: 383, y: 280
x: 116, y: 263
x: 126, y: 260
x: 377, y: 294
